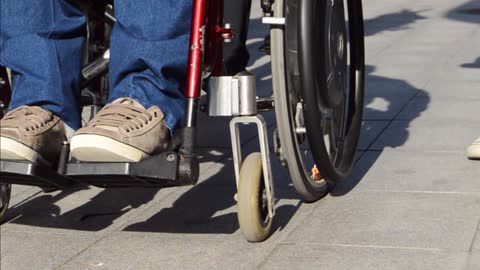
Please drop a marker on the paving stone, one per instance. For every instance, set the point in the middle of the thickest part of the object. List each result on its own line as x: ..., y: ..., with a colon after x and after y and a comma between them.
x: 394, y: 219
x: 452, y: 109
x: 197, y: 230
x: 26, y: 251
x: 448, y: 172
x: 473, y: 261
x: 79, y: 210
x: 384, y: 108
x: 428, y: 135
x: 19, y: 190
x: 21, y: 193
x: 388, y: 88
x: 370, y: 131
x: 154, y: 251
x: 89, y: 209
x: 335, y: 257
x: 209, y: 211
x: 447, y: 88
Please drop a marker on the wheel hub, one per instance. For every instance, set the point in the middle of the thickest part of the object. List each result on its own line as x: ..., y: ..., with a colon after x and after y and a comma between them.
x: 336, y: 64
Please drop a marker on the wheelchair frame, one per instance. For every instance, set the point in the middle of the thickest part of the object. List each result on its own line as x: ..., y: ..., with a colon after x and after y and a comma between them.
x: 229, y: 96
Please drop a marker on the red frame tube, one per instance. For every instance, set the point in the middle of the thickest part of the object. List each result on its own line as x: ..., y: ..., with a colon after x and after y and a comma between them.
x: 195, y: 54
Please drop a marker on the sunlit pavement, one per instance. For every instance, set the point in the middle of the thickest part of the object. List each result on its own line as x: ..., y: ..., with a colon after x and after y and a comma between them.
x: 413, y: 201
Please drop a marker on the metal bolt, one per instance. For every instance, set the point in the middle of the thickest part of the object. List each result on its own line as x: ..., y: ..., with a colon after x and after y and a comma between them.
x: 171, y: 157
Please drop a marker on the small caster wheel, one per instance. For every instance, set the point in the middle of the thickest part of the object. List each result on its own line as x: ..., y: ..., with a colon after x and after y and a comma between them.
x: 5, y: 191
x: 255, y: 224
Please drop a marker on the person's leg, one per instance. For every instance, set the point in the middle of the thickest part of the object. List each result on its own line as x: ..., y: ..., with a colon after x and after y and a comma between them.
x: 149, y: 54
x: 236, y: 56
x: 41, y: 42
x: 148, y: 64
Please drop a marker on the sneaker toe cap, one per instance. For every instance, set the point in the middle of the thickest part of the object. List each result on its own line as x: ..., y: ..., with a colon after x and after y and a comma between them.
x: 473, y: 151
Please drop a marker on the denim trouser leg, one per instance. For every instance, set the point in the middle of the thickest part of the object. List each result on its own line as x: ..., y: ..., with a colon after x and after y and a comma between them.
x: 41, y: 42
x: 149, y: 52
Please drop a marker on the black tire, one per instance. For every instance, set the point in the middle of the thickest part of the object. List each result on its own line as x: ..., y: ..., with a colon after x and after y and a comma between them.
x: 5, y: 192
x: 284, y: 72
x: 306, y: 58
x: 331, y: 64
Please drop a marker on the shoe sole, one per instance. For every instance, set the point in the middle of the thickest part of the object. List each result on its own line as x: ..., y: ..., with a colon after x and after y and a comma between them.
x: 473, y: 152
x: 13, y: 150
x: 96, y: 148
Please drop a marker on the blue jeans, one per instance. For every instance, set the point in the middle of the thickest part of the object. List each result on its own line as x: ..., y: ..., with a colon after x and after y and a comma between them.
x: 41, y: 42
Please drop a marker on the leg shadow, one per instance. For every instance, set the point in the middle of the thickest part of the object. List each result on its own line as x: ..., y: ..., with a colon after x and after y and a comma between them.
x: 474, y: 64
x: 386, y: 100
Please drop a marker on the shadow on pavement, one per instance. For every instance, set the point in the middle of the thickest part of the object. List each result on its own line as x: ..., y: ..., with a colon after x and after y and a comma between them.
x: 468, y: 12
x: 388, y: 90
x: 206, y: 208
x: 209, y: 207
x: 96, y: 214
x: 474, y: 64
x: 392, y: 21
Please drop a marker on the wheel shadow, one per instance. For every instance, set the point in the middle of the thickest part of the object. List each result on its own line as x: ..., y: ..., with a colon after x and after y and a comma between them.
x: 389, y: 98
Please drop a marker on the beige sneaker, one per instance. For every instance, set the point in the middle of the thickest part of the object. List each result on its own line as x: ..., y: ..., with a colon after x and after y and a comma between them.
x: 123, y: 131
x: 30, y: 133
x: 473, y: 151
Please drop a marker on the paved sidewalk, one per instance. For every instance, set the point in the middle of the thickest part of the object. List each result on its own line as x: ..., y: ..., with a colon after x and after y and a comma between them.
x: 412, y: 203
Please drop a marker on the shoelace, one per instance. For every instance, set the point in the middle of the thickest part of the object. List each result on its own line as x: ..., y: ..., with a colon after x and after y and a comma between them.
x: 123, y: 115
x: 27, y: 117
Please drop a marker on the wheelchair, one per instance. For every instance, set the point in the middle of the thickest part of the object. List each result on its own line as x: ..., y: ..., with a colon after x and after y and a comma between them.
x: 317, y: 63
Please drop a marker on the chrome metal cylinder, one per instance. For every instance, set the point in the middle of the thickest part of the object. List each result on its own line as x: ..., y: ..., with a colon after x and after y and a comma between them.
x: 248, y: 94
x: 232, y: 96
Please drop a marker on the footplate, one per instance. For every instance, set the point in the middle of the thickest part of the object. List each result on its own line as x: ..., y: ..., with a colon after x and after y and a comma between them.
x: 164, y: 170
x: 31, y: 174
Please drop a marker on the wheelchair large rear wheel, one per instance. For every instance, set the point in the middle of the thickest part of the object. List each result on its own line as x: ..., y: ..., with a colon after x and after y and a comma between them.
x: 318, y: 73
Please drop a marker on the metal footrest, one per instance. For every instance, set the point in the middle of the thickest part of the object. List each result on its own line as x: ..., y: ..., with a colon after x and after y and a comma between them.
x: 163, y: 170
x: 31, y: 174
